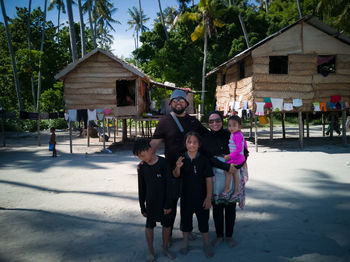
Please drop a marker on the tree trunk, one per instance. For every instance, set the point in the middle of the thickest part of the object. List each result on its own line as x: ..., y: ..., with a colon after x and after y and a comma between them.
x: 204, y: 66
x: 140, y: 16
x: 267, y: 6
x: 82, y: 31
x: 30, y: 54
x: 162, y: 20
x: 299, y: 9
x: 73, y: 42
x: 91, y: 27
x: 58, y: 22
x: 244, y: 30
x: 40, y: 58
x: 8, y: 34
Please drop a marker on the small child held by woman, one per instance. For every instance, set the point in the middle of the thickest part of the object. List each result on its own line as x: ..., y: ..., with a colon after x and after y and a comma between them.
x: 197, y: 187
x: 237, y: 146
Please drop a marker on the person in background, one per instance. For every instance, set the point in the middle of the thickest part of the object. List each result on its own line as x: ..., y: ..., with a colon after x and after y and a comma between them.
x: 52, y: 141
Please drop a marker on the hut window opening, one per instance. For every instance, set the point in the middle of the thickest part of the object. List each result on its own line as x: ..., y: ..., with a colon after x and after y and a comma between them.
x: 241, y: 70
x: 125, y: 92
x: 223, y: 79
x: 278, y: 65
x: 326, y: 64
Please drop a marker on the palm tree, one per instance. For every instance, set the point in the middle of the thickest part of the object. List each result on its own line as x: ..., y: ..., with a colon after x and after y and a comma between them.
x: 299, y: 9
x: 82, y: 30
x: 40, y: 58
x: 8, y: 34
x: 242, y: 26
x: 73, y: 42
x: 59, y: 4
x: 29, y: 51
x: 208, y: 17
x: 337, y: 11
x: 162, y: 20
x: 182, y: 8
x: 87, y: 8
x: 135, y: 23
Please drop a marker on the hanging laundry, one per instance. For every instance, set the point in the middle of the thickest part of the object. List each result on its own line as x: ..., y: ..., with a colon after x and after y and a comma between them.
x: 263, y: 120
x: 316, y: 106
x: 244, y: 114
x: 260, y: 108
x: 267, y: 101
x: 72, y: 114
x: 330, y: 105
x: 297, y: 102
x: 66, y: 116
x: 288, y: 106
x: 226, y: 109
x: 237, y: 106
x: 240, y: 113
x: 335, y: 99
x: 277, y: 104
x: 232, y: 105
x: 240, y: 98
x: 91, y: 114
x: 342, y: 105
x: 100, y: 114
x: 107, y: 111
x: 245, y: 104
x: 249, y: 113
x: 323, y: 107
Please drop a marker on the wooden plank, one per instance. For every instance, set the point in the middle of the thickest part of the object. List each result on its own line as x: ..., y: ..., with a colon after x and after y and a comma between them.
x: 343, y: 58
x: 100, y: 69
x: 82, y: 85
x: 303, y: 58
x: 98, y: 80
x: 325, y: 93
x: 89, y: 106
x: 302, y: 95
x: 303, y: 66
x: 273, y: 78
x: 90, y: 91
x: 265, y: 60
x: 331, y: 78
x: 283, y: 87
x: 296, y: 72
x: 102, y: 75
x: 333, y: 86
x: 260, y: 69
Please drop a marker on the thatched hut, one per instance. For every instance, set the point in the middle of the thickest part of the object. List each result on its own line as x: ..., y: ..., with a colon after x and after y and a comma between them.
x: 307, y: 60
x: 100, y: 80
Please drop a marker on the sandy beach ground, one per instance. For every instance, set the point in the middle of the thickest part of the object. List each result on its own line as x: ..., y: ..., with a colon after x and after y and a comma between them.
x: 84, y: 206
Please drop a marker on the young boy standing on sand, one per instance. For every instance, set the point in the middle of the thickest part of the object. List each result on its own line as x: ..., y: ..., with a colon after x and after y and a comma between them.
x: 197, y: 188
x: 154, y: 183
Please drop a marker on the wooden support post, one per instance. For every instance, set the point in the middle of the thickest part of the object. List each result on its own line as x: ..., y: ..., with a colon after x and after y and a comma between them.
x: 301, y: 128
x: 70, y: 137
x: 130, y: 127
x: 104, y: 133
x: 113, y: 129
x: 108, y: 129
x: 125, y: 130
x: 271, y: 126
x: 332, y: 125
x: 88, y: 134
x: 38, y: 129
x: 283, y: 125
x: 307, y: 125
x: 143, y: 130
x: 135, y: 127
x: 3, y: 131
x: 323, y: 125
x: 117, y: 127
x: 251, y: 127
x: 256, y: 132
x: 343, y: 118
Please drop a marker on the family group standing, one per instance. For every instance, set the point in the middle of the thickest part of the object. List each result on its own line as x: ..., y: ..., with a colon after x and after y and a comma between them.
x: 193, y: 156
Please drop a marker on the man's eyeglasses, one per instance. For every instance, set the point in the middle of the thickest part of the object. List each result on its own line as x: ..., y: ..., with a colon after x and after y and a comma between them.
x: 180, y: 100
x: 217, y: 120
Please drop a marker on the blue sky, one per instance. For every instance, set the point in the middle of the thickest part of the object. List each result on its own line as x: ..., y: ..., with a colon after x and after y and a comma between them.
x: 123, y: 40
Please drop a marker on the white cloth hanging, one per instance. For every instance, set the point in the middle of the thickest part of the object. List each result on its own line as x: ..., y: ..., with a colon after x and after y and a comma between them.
x: 92, y: 114
x: 259, y: 108
x: 297, y: 102
x: 288, y: 106
x: 277, y: 104
x: 72, y: 115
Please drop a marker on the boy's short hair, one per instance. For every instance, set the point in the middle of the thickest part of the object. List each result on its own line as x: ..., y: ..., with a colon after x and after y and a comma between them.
x: 140, y: 146
x: 236, y: 118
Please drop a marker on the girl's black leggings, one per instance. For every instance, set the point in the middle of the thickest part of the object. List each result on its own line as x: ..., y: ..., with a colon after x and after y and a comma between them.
x: 229, y: 218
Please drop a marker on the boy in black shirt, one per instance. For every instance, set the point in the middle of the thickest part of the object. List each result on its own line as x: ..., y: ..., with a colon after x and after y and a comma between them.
x: 154, y: 194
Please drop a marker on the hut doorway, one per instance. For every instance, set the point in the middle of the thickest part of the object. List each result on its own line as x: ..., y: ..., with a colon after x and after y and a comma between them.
x: 125, y: 90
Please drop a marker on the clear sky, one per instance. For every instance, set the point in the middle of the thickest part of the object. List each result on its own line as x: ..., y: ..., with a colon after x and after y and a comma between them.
x: 123, y: 40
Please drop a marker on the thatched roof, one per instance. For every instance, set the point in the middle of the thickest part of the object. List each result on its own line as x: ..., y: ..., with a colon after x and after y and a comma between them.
x: 311, y: 20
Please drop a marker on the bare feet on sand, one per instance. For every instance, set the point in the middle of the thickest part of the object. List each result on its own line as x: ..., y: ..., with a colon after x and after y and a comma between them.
x: 208, y: 251
x: 184, y: 250
x: 150, y: 258
x: 231, y: 242
x: 217, y: 241
x: 169, y: 254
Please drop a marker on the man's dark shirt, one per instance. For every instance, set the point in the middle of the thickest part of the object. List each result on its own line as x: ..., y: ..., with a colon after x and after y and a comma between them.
x: 154, y: 188
x: 173, y: 139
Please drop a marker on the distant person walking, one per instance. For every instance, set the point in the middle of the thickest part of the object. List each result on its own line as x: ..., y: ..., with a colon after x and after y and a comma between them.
x: 52, y: 143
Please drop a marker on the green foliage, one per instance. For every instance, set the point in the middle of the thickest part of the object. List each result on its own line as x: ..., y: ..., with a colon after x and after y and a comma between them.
x: 52, y: 99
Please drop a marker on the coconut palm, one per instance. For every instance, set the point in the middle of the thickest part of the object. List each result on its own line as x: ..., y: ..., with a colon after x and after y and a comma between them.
x: 40, y: 58
x: 59, y: 4
x: 162, y: 20
x: 82, y: 30
x: 73, y: 42
x: 29, y: 51
x: 299, y: 9
x: 8, y: 34
x: 338, y: 11
x: 208, y: 18
x: 135, y: 23
x: 241, y: 21
x: 87, y: 8
x: 182, y: 8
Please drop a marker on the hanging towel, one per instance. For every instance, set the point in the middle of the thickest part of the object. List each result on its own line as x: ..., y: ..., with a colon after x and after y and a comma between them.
x: 277, y: 104
x: 107, y: 111
x: 335, y: 99
x: 263, y: 120
x: 267, y: 101
x: 240, y: 98
x: 245, y: 104
x: 316, y: 106
x: 297, y: 102
x: 260, y: 108
x: 323, y: 107
x: 100, y: 114
x: 232, y: 105
x: 240, y: 113
x: 330, y: 105
x: 227, y: 107
x: 237, y: 106
x: 66, y: 116
x: 288, y: 106
x: 92, y: 114
x: 342, y: 105
x: 72, y: 115
x: 249, y: 113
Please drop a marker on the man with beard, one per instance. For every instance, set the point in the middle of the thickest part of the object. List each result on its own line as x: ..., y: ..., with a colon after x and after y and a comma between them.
x: 171, y: 130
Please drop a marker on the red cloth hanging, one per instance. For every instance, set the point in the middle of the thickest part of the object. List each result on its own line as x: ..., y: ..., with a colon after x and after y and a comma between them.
x: 141, y: 86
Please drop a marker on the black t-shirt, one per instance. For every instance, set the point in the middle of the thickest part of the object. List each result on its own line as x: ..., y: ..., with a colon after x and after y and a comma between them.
x: 154, y: 188
x: 173, y: 139
x: 194, y: 173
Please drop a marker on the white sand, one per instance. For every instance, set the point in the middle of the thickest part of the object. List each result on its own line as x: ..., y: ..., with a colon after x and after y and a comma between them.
x: 84, y: 207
